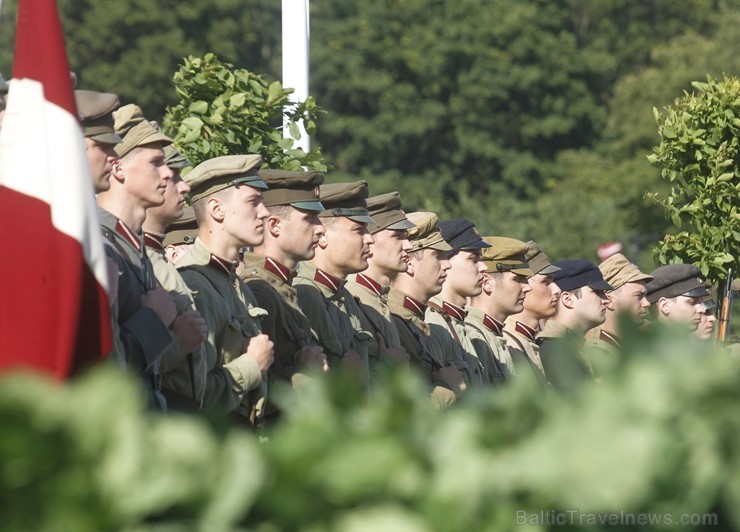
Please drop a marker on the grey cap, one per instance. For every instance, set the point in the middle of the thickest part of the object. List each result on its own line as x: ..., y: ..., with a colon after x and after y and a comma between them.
x: 96, y: 115
x: 385, y: 209
x: 538, y: 261
x: 675, y: 280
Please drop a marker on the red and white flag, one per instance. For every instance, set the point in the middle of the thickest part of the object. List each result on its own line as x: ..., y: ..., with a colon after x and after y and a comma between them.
x: 54, y: 315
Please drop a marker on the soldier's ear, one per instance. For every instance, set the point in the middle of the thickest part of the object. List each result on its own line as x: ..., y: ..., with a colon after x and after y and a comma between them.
x: 664, y: 306
x: 117, y: 171
x: 215, y: 208
x: 567, y: 299
x: 272, y: 224
x: 323, y: 241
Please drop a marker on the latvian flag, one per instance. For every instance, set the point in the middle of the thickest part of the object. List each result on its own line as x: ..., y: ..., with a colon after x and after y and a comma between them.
x: 54, y: 315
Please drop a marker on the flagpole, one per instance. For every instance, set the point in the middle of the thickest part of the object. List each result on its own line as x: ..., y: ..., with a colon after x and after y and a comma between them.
x: 296, y: 38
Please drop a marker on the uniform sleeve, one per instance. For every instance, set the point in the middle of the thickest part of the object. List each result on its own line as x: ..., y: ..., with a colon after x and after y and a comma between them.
x: 314, y: 307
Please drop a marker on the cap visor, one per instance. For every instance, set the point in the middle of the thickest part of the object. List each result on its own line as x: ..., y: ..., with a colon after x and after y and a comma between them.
x: 442, y: 245
x: 361, y: 219
x: 107, y: 138
x: 401, y: 225
x: 314, y: 206
x: 481, y: 244
x: 600, y: 285
x: 526, y: 272
x: 254, y: 183
x: 699, y: 291
x: 548, y: 270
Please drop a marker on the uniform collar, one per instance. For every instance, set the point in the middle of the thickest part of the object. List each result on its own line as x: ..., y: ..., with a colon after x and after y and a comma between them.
x: 454, y: 311
x: 328, y: 280
x: 415, y: 306
x: 492, y: 324
x: 154, y: 240
x: 371, y: 284
x: 279, y: 270
x: 525, y: 330
x: 128, y: 235
x: 608, y: 338
x: 225, y: 266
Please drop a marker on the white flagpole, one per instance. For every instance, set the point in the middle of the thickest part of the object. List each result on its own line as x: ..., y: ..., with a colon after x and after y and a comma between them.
x: 295, y: 59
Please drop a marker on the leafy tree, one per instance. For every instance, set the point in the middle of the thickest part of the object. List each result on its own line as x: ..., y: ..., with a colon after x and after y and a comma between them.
x: 226, y: 111
x: 699, y: 155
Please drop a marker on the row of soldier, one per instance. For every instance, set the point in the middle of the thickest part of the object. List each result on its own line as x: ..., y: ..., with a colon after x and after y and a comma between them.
x: 334, y: 281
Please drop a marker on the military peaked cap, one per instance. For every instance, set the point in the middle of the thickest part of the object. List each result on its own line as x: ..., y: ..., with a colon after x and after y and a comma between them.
x: 96, y: 115
x: 426, y: 233
x: 386, y: 211
x: 506, y: 255
x: 538, y: 261
x: 216, y: 174
x: 346, y: 199
x: 618, y: 271
x: 298, y: 189
x: 675, y: 280
x: 577, y: 273
x: 136, y: 130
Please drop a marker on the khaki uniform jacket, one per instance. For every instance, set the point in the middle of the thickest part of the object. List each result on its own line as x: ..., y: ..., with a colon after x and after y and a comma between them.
x: 491, y: 347
x: 285, y: 323
x: 415, y: 336
x: 375, y: 316
x: 449, y: 333
x: 231, y: 314
x: 602, y: 351
x: 176, y: 371
x: 561, y: 354
x: 334, y: 316
x: 524, y: 350
x: 142, y: 338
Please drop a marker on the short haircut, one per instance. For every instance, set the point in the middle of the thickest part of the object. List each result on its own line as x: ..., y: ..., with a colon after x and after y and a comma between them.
x: 199, y: 205
x: 281, y: 211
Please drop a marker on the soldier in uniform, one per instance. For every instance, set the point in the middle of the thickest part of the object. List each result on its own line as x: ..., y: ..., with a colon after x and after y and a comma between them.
x: 705, y: 330
x: 628, y: 297
x: 581, y: 307
x: 407, y: 300
x: 144, y: 311
x: 343, y: 249
x: 676, y: 294
x: 226, y: 194
x: 179, y: 236
x: 96, y: 115
x: 539, y: 304
x: 390, y: 256
x: 184, y: 365
x: 504, y: 288
x: 446, y: 311
x: 292, y: 232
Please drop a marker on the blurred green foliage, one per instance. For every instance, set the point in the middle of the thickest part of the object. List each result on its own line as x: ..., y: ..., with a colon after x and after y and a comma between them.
x: 228, y: 111
x: 658, y: 436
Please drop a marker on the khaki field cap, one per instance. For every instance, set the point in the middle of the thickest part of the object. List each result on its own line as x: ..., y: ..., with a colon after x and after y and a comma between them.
x: 183, y: 231
x: 175, y: 159
x: 297, y: 189
x: 426, y: 233
x: 538, y: 261
x: 386, y: 211
x: 223, y: 172
x: 136, y: 130
x: 96, y: 115
x: 346, y: 199
x: 506, y: 255
x: 676, y: 280
x: 618, y: 271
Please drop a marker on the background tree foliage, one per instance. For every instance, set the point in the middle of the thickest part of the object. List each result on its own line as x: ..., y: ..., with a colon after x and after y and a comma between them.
x: 531, y: 117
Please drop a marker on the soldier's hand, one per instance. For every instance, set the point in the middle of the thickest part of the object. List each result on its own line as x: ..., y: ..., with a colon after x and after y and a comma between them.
x: 452, y: 377
x: 261, y: 349
x: 396, y: 354
x: 190, y: 328
x: 352, y: 363
x: 313, y: 356
x: 113, y: 274
x: 161, y: 302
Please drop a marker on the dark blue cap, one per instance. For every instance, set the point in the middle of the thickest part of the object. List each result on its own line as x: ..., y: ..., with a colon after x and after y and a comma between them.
x: 462, y: 234
x: 577, y: 273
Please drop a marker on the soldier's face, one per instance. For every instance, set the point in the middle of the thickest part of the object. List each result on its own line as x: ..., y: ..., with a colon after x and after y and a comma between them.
x: 591, y: 306
x: 682, y: 309
x: 706, y: 325
x: 391, y: 251
x: 100, y: 159
x: 542, y: 300
x: 244, y: 215
x: 465, y: 277
x: 509, y: 292
x: 430, y: 272
x: 174, y: 200
x: 144, y: 174
x: 300, y: 234
x: 347, y: 245
x: 631, y: 298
